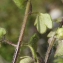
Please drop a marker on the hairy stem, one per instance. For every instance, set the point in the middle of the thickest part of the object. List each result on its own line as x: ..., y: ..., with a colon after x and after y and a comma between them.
x: 10, y: 43
x: 19, y: 44
x: 49, y: 48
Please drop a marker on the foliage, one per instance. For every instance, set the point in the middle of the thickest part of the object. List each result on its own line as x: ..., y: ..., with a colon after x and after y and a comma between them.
x: 2, y: 32
x: 27, y: 60
x: 33, y: 41
x: 20, y: 3
x: 42, y: 22
x: 59, y: 33
x: 59, y: 44
x: 10, y: 19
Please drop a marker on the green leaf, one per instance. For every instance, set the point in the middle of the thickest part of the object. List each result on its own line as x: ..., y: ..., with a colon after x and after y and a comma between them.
x: 27, y: 60
x: 42, y: 22
x: 51, y: 34
x: 2, y: 32
x: 33, y: 52
x: 59, y: 51
x: 47, y: 20
x: 32, y: 45
x: 33, y: 41
x: 34, y: 55
x: 20, y: 3
x: 59, y: 33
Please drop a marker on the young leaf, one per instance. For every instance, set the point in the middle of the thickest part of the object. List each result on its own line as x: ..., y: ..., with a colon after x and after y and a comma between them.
x: 33, y: 41
x: 42, y: 22
x: 51, y: 34
x: 20, y: 3
x: 47, y: 20
x: 59, y: 33
x: 32, y: 45
x: 59, y: 51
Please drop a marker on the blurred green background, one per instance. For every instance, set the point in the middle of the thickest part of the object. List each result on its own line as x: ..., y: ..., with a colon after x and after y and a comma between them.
x: 11, y: 18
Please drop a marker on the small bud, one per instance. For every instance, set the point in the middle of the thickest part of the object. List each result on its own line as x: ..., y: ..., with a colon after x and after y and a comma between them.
x: 2, y: 32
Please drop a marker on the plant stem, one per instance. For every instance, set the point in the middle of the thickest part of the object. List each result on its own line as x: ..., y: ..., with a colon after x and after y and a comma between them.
x: 19, y: 44
x: 49, y: 48
x: 10, y: 43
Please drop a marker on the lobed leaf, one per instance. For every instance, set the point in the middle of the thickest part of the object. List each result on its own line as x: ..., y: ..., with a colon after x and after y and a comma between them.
x: 42, y: 22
